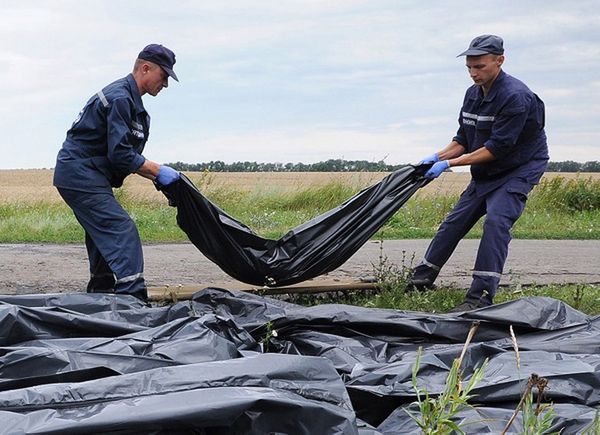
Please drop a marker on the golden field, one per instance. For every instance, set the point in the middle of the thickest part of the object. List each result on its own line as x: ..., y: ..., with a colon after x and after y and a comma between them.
x: 35, y: 185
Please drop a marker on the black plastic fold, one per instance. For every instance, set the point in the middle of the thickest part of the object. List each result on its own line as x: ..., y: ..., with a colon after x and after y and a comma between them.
x: 311, y: 249
x: 235, y: 363
x: 261, y: 394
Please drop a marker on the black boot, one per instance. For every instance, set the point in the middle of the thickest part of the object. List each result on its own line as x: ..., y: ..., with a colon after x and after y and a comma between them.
x: 419, y: 285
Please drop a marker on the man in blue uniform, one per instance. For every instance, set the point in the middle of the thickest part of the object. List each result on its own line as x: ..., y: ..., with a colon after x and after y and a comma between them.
x: 103, y: 146
x: 501, y: 135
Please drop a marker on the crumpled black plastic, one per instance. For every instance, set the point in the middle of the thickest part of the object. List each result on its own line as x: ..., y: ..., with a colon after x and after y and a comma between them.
x: 210, y: 366
x: 311, y: 249
x: 260, y: 394
x: 374, y: 351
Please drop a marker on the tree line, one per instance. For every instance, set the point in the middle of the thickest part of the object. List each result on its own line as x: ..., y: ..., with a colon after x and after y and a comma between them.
x: 340, y: 165
x: 570, y: 166
x: 337, y: 165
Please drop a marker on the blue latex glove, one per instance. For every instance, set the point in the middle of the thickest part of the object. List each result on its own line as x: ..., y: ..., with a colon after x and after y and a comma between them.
x: 430, y: 159
x: 437, y: 169
x: 166, y: 175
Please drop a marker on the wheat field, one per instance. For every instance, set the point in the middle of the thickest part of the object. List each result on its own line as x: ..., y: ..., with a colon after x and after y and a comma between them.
x: 27, y: 186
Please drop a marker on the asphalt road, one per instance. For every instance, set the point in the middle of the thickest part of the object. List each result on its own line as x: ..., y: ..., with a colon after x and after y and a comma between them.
x: 37, y: 268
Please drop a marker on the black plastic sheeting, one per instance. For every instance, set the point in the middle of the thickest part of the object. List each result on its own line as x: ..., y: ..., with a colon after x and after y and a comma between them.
x: 311, y: 249
x: 235, y: 363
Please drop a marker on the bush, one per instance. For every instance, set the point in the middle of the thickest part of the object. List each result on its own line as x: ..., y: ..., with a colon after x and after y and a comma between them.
x: 570, y: 195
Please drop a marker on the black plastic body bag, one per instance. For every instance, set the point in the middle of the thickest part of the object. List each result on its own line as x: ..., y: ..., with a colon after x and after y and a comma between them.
x: 311, y: 249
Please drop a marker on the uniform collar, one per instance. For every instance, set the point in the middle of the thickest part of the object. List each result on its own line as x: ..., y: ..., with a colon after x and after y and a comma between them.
x: 135, y: 93
x: 494, y: 89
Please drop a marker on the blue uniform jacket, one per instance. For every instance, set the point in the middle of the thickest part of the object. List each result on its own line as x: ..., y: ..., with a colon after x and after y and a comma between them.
x: 509, y: 122
x: 106, y: 141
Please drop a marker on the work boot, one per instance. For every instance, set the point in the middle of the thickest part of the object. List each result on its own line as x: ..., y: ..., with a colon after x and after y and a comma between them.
x: 105, y: 284
x: 467, y: 305
x: 422, y: 278
x: 419, y: 285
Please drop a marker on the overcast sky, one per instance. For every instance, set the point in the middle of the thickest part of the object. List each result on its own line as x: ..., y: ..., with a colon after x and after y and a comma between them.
x: 293, y: 81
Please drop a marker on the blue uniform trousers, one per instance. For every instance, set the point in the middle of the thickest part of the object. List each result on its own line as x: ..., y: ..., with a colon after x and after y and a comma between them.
x: 112, y: 241
x: 501, y: 207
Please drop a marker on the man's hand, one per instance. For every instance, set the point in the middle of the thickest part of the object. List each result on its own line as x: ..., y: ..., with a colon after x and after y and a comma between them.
x: 437, y: 169
x: 430, y: 159
x: 166, y: 175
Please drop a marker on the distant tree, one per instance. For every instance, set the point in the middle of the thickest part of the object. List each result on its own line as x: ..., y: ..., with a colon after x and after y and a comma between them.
x: 592, y: 166
x: 340, y: 165
x: 566, y: 166
x: 571, y: 166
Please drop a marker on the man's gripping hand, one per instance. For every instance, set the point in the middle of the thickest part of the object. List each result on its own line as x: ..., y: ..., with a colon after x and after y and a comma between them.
x: 430, y: 159
x: 437, y: 169
x: 166, y: 175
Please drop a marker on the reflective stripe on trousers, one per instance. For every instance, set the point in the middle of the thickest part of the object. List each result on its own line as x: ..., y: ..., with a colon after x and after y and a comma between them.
x: 112, y: 241
x: 501, y: 208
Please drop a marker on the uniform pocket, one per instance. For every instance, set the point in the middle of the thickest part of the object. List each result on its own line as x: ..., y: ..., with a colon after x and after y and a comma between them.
x: 519, y: 188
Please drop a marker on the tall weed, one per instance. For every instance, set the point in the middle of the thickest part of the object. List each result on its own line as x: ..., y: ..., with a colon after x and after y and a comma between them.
x: 319, y: 199
x: 573, y: 195
x: 436, y: 414
x: 558, y: 209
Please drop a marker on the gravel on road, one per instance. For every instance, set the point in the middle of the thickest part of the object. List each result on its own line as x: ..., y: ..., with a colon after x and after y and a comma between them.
x: 50, y: 268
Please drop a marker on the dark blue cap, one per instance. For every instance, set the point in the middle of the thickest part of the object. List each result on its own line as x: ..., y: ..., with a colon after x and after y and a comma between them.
x: 484, y: 44
x: 161, y: 56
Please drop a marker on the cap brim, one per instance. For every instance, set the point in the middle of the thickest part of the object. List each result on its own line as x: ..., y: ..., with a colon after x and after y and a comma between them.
x: 473, y: 52
x: 170, y: 72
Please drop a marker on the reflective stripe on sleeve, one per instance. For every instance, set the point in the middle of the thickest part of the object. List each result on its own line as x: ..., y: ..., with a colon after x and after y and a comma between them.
x: 102, y: 98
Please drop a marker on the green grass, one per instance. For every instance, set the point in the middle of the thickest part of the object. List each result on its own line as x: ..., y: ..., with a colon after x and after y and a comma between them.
x: 558, y: 209
x: 55, y: 223
x: 583, y: 297
x: 391, y: 292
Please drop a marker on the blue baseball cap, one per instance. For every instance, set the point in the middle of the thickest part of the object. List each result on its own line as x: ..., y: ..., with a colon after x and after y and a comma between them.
x: 484, y: 44
x: 161, y: 56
